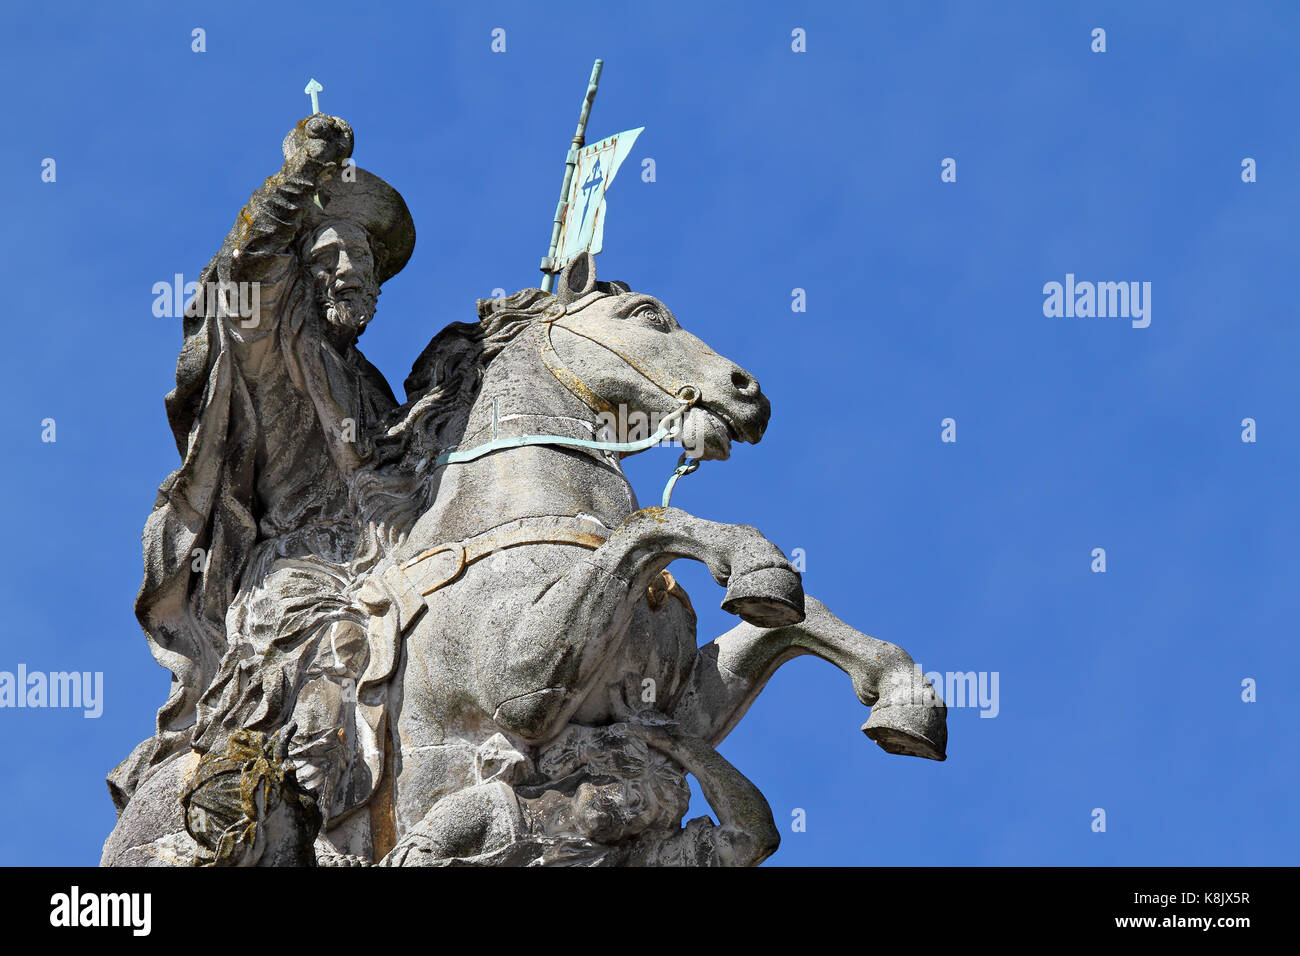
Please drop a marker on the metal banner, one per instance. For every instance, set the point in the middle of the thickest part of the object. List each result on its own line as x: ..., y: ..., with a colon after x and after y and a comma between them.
x: 584, y: 218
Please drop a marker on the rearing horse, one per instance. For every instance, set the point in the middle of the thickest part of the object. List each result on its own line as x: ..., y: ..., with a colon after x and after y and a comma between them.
x: 532, y: 595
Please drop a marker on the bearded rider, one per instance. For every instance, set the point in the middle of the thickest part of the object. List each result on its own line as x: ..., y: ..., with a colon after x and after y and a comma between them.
x: 248, y: 548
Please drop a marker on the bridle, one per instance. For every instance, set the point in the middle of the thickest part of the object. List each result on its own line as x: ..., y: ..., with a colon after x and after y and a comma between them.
x: 685, y: 394
x: 667, y: 383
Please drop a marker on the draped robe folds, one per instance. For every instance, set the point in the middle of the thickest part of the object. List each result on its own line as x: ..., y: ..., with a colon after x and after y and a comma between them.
x: 270, y: 420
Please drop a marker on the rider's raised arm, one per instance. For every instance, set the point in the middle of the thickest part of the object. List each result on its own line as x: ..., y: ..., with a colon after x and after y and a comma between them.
x: 261, y: 242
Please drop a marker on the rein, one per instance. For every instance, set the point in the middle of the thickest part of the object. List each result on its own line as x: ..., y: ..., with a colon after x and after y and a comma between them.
x: 687, y: 395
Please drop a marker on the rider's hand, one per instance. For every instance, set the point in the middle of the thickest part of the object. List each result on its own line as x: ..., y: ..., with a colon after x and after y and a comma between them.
x: 323, y: 139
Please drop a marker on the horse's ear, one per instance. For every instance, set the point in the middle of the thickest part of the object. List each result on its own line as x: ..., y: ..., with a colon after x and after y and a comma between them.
x: 578, y: 277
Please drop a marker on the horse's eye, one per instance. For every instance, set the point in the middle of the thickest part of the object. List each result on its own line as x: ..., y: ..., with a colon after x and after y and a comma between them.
x: 651, y: 315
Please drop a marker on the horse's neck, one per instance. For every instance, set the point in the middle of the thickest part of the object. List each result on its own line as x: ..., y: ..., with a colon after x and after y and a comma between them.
x: 533, y: 481
x: 520, y: 397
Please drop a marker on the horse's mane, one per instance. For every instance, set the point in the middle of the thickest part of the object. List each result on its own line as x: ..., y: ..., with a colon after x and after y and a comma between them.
x: 446, y: 377
x: 390, y: 494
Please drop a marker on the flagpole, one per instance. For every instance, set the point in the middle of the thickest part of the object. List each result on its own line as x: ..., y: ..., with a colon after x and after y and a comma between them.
x: 570, y: 161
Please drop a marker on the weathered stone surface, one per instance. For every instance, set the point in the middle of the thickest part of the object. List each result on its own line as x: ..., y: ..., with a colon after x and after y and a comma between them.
x: 477, y: 662
x: 150, y: 830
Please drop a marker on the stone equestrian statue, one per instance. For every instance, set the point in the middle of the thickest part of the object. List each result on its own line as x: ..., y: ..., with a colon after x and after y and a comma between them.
x: 444, y: 632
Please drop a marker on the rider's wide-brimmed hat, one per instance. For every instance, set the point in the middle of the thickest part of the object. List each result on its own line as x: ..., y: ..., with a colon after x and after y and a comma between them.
x: 355, y: 195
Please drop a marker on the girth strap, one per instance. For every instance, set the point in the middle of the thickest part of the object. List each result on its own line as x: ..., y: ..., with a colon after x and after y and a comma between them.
x: 464, y: 553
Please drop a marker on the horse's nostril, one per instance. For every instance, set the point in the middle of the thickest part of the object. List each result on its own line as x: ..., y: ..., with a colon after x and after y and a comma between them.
x: 740, y: 380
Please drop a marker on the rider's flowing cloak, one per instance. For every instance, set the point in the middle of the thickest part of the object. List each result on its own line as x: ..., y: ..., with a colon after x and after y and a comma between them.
x: 205, y: 522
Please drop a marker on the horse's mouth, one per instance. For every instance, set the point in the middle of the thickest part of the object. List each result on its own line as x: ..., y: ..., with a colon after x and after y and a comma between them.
x: 748, y: 430
x: 707, y: 435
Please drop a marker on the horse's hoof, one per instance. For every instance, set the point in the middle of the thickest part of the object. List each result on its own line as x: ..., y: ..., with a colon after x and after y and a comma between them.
x: 912, y: 730
x: 768, y: 597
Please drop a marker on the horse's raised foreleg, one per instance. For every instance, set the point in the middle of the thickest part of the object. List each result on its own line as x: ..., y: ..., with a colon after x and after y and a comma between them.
x: 907, y: 716
x: 535, y: 675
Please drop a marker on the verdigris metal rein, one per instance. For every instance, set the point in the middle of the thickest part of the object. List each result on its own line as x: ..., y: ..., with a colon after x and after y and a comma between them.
x: 685, y: 465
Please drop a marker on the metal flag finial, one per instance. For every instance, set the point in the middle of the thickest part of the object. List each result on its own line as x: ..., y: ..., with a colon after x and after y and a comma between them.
x: 312, y: 89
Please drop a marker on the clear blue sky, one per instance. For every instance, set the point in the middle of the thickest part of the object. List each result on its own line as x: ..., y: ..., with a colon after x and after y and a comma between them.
x: 775, y: 170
